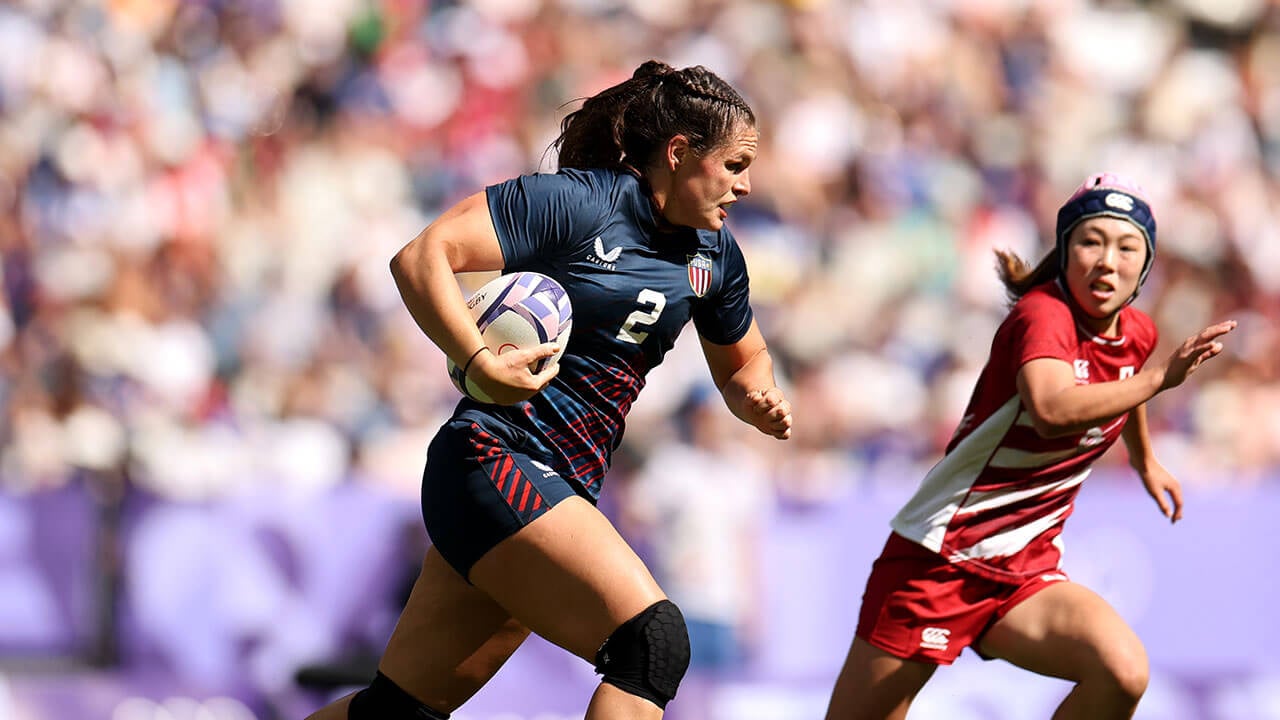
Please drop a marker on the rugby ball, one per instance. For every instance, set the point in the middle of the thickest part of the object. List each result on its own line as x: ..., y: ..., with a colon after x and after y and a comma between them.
x: 517, y: 310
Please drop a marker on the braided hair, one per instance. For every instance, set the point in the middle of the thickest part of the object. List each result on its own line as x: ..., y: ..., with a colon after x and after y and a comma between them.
x: 628, y: 124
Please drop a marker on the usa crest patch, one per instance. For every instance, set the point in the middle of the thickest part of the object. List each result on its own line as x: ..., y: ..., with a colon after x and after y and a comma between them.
x: 700, y: 274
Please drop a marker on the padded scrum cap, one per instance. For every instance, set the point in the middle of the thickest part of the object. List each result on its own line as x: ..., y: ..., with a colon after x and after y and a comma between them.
x: 1110, y: 195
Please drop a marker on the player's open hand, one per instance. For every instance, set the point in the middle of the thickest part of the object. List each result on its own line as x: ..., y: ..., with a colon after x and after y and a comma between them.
x: 509, y: 378
x: 1165, y: 489
x: 1193, y: 352
x: 770, y: 412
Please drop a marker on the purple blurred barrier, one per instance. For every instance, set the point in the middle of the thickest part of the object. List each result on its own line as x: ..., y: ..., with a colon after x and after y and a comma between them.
x: 248, y: 589
x: 46, y: 575
x: 1167, y: 581
x: 120, y: 696
x: 226, y: 600
x: 1199, y: 594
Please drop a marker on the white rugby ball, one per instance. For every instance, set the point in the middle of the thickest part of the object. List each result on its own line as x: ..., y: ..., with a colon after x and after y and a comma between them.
x: 517, y: 310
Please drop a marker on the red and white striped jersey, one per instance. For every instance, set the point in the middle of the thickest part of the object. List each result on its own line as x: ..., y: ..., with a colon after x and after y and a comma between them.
x: 997, y: 500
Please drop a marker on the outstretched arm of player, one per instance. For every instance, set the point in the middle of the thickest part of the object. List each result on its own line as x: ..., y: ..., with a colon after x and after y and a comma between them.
x: 1158, y: 481
x: 1059, y: 406
x: 743, y: 372
x: 463, y: 239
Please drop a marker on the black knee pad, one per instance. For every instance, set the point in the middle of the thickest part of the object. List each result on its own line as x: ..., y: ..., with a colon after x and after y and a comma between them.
x: 385, y: 700
x: 648, y: 654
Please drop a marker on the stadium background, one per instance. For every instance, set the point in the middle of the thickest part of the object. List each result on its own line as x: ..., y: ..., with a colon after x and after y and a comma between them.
x: 215, y: 408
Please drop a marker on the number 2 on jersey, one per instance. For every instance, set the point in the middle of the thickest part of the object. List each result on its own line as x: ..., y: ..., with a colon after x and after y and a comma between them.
x: 657, y: 301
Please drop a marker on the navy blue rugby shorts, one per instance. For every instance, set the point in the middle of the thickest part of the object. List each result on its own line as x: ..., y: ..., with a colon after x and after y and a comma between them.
x: 483, y: 481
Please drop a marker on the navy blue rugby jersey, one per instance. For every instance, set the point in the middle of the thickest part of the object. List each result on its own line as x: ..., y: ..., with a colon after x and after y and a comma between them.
x: 633, y: 289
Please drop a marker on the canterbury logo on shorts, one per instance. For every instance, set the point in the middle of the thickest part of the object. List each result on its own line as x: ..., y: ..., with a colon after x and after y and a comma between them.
x: 935, y: 638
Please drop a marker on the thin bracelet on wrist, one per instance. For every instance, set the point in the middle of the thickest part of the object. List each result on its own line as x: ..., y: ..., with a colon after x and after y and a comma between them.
x: 471, y: 359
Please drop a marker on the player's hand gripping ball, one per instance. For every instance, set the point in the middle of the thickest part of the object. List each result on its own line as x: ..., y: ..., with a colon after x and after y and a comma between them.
x: 517, y: 310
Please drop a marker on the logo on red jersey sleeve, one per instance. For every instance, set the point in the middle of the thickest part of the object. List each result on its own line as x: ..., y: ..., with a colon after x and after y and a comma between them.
x: 1082, y: 370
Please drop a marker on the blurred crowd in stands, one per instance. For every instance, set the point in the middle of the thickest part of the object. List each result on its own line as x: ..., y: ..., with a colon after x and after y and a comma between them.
x: 198, y: 201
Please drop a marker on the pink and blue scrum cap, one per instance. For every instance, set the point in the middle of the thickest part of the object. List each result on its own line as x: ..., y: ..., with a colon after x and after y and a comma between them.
x: 1107, y: 194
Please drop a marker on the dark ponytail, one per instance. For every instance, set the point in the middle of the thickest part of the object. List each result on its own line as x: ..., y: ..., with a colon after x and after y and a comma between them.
x: 1019, y: 277
x: 627, y: 124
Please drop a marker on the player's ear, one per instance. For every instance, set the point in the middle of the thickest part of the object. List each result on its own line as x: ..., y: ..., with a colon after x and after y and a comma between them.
x: 677, y: 151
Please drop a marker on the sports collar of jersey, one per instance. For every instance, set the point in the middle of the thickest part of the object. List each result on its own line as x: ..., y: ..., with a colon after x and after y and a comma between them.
x: 1077, y: 312
x: 652, y: 221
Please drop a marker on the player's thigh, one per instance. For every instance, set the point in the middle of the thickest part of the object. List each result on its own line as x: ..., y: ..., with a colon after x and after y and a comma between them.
x: 451, y: 638
x: 568, y: 576
x: 876, y: 685
x: 1066, y: 631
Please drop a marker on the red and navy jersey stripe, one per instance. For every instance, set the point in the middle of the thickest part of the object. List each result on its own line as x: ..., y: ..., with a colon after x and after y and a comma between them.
x: 578, y: 422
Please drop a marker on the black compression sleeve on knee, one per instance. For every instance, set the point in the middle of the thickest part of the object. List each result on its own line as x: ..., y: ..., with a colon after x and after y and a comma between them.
x: 385, y: 700
x: 647, y: 655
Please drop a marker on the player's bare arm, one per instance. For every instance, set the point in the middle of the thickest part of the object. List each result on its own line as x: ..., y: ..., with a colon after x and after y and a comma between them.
x: 1160, y: 484
x: 1058, y: 406
x: 461, y: 240
x: 743, y: 372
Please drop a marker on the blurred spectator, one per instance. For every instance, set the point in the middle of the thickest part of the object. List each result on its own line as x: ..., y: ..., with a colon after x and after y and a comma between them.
x: 700, y: 503
x: 201, y: 198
